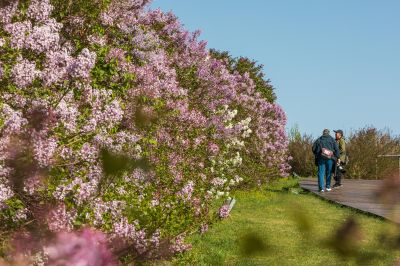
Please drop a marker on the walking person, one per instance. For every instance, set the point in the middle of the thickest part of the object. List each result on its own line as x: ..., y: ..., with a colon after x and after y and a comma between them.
x: 341, y: 161
x: 325, y: 150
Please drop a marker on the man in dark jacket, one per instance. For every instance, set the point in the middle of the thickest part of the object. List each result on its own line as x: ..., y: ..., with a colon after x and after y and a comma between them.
x: 326, y: 151
x: 338, y: 168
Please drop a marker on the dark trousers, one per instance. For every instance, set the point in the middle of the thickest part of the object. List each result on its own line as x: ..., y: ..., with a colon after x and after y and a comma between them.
x: 337, y: 174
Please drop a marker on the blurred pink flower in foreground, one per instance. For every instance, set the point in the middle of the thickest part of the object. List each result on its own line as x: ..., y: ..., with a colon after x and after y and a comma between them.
x: 84, y: 248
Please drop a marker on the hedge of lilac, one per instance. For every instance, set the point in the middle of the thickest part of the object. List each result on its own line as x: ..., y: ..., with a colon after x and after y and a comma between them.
x: 84, y: 82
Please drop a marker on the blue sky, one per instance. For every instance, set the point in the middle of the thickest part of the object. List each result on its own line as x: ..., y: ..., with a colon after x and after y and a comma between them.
x: 334, y: 64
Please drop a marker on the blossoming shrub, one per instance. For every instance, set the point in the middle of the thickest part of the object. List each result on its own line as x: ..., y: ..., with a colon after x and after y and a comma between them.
x: 113, y: 116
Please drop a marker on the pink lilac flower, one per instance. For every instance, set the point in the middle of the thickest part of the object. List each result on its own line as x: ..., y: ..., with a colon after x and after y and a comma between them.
x: 116, y: 53
x: 213, y: 148
x: 145, y: 40
x: 39, y: 10
x: 4, y: 171
x: 138, y: 175
x: 45, y: 37
x: 24, y: 72
x: 114, y: 208
x: 155, y: 239
x: 13, y: 120
x: 59, y: 219
x: 89, y: 153
x: 125, y: 230
x: 44, y: 149
x: 187, y: 191
x: 99, y: 40
x: 32, y: 183
x: 18, y: 101
x: 103, y: 140
x: 20, y: 215
x: 112, y: 113
x: 203, y: 228
x: 56, y: 66
x: 19, y: 32
x: 77, y: 21
x: 68, y: 114
x: 115, y: 12
x: 218, y: 182
x: 65, y: 188
x: 95, y: 172
x: 224, y: 211
x: 197, y: 205
x: 5, y: 194
x: 198, y: 140
x: 84, y: 248
x: 90, y: 125
x: 86, y: 190
x: 7, y: 12
x: 83, y: 64
x: 179, y: 245
x: 66, y: 153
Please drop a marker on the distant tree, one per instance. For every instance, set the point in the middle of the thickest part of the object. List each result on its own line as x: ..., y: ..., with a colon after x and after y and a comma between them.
x: 364, y: 146
x: 302, y: 162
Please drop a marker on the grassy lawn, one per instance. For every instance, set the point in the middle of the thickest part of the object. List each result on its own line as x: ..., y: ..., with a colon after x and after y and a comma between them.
x: 291, y: 227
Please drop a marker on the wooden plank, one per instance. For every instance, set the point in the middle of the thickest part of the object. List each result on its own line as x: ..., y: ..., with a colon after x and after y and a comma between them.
x: 357, y: 194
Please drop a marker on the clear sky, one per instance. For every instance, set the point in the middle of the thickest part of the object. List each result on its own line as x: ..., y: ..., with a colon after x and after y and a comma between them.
x: 334, y: 63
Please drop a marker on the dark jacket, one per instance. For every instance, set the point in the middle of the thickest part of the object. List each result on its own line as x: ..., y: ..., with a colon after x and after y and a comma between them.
x: 327, y: 142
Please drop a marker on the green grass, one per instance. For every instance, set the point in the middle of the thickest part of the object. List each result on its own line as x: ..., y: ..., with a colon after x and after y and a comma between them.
x: 290, y: 227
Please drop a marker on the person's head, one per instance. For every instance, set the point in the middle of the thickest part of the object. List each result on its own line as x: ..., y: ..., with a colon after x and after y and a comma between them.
x: 325, y: 132
x: 338, y: 133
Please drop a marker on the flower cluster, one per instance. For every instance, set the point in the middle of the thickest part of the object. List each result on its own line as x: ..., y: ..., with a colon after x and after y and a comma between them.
x: 224, y: 211
x: 5, y: 194
x: 122, y: 120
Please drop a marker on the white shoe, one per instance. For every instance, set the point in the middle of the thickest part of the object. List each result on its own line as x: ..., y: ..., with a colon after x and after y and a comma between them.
x: 322, y: 191
x: 328, y: 189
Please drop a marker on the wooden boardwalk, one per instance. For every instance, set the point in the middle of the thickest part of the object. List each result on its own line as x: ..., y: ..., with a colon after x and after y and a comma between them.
x: 358, y: 194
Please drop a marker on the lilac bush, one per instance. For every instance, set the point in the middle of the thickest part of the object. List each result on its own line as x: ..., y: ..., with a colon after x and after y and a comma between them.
x: 88, y: 82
